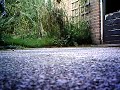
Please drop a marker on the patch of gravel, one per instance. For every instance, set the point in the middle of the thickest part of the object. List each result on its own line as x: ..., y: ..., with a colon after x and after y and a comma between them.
x: 60, y: 69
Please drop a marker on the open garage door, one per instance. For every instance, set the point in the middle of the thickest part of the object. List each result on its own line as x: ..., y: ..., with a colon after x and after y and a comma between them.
x: 111, y: 33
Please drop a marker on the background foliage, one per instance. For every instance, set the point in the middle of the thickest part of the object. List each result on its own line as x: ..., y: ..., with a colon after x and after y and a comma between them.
x: 36, y: 20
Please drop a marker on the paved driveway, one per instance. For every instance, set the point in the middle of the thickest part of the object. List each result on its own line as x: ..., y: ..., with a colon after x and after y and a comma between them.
x: 60, y: 69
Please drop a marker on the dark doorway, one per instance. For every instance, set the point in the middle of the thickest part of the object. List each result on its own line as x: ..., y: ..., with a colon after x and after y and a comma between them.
x: 112, y: 6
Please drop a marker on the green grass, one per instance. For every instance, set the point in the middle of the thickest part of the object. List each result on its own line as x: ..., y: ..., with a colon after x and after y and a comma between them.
x: 28, y: 42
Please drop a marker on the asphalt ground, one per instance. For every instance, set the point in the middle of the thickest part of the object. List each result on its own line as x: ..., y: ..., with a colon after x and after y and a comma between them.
x: 86, y: 68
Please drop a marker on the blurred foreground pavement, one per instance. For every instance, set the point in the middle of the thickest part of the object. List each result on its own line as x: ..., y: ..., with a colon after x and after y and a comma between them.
x: 86, y: 68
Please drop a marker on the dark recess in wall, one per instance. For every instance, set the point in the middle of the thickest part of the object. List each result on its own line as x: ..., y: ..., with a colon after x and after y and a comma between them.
x: 112, y: 6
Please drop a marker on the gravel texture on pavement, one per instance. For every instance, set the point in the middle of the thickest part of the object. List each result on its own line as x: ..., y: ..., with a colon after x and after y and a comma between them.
x: 86, y: 68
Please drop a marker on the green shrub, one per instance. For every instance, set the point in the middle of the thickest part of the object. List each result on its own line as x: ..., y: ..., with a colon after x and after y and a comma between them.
x: 82, y: 32
x: 75, y: 34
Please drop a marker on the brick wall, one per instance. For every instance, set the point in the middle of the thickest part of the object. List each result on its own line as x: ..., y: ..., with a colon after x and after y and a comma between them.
x: 95, y: 21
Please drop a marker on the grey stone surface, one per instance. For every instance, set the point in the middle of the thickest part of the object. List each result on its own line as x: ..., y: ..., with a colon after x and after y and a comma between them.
x: 60, y: 69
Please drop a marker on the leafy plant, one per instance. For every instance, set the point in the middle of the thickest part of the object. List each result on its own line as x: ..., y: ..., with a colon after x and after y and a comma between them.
x: 41, y: 24
x: 75, y: 34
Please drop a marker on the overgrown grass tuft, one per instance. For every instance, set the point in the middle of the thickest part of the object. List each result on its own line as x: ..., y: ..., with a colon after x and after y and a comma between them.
x: 29, y: 42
